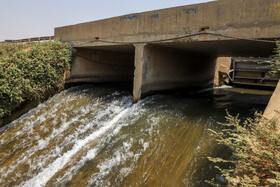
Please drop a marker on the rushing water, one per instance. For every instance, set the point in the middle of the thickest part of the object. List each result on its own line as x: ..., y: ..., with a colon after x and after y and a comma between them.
x: 94, y: 136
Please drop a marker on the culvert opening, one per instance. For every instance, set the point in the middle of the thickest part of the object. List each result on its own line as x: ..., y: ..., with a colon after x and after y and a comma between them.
x: 110, y: 65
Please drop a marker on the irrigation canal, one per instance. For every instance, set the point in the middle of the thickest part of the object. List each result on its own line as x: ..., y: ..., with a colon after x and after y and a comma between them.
x: 94, y: 136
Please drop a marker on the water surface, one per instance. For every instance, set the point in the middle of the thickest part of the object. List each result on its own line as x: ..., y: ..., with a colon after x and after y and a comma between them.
x: 94, y: 136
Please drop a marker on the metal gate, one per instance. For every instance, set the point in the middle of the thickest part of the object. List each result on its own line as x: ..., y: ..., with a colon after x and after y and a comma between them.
x: 251, y: 72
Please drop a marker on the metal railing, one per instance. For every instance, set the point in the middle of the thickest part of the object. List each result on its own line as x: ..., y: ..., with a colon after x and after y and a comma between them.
x: 36, y: 39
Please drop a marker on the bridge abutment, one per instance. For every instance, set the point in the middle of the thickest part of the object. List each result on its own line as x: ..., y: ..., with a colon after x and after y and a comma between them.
x: 160, y: 68
x: 273, y: 108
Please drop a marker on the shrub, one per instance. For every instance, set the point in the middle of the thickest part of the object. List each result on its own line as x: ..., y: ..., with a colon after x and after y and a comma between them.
x: 274, y: 64
x: 29, y: 71
x: 255, y: 145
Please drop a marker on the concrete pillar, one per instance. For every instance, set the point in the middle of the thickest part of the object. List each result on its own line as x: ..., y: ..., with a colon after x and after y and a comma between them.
x: 102, y: 66
x: 162, y: 68
x: 222, y: 71
x: 140, y: 60
x: 273, y: 108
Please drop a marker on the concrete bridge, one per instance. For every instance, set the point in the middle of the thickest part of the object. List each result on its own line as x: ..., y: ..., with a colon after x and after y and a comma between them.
x: 171, y: 48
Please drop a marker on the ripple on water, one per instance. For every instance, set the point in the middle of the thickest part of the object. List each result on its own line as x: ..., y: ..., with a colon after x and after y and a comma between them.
x: 94, y: 136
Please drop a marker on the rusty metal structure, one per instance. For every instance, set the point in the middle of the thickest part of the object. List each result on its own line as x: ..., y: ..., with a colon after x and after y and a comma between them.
x: 251, y: 72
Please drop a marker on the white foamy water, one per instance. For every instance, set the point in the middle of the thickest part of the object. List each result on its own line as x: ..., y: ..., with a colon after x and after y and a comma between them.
x: 133, y: 112
x: 96, y: 117
x: 43, y: 143
x: 47, y: 173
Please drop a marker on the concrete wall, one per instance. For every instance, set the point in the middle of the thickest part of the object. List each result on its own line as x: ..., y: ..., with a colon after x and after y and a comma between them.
x: 162, y: 68
x: 102, y: 66
x: 273, y: 105
x: 222, y: 70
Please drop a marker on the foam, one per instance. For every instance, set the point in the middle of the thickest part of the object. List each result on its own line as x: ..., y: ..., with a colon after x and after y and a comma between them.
x: 42, y: 178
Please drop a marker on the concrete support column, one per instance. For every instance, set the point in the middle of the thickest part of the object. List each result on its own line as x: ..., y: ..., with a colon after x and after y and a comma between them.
x: 222, y: 71
x: 140, y: 60
x: 162, y: 68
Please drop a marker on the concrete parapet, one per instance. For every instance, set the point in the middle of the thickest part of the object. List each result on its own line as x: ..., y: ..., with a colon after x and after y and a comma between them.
x: 252, y: 19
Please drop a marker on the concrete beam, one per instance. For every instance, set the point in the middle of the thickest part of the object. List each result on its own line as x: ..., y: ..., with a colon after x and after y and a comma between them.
x: 160, y: 68
x: 101, y: 66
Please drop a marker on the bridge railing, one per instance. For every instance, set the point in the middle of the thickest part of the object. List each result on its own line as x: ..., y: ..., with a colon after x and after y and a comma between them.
x: 35, y: 39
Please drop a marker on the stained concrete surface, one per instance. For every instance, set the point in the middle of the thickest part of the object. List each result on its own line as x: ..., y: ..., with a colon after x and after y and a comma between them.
x: 242, y: 26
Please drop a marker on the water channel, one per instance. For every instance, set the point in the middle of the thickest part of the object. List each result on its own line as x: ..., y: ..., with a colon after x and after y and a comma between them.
x: 94, y: 136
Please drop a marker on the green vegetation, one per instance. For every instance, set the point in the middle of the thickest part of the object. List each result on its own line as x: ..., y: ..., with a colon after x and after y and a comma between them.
x: 255, y: 145
x: 31, y: 71
x: 274, y: 64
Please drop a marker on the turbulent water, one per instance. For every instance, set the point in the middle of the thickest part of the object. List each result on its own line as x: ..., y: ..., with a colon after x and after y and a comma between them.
x: 94, y: 136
